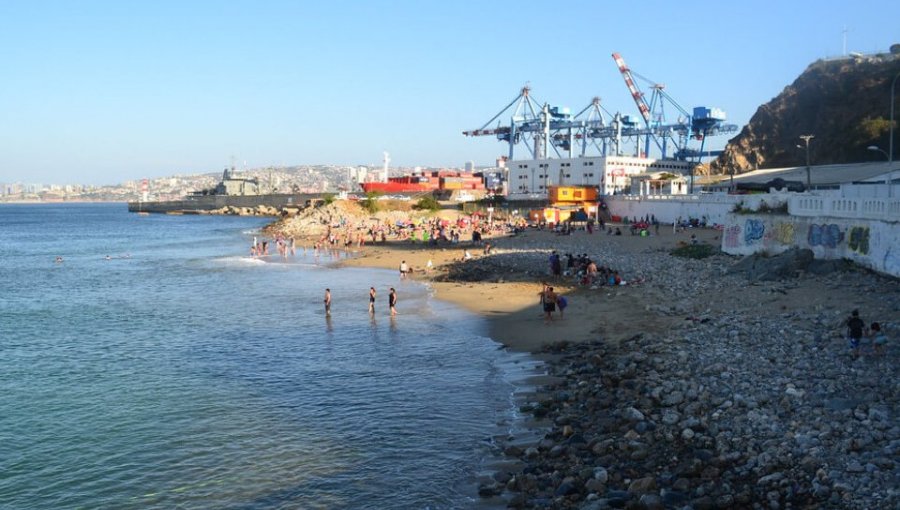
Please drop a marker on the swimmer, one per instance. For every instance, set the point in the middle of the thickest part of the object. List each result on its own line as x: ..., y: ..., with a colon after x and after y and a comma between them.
x: 59, y: 259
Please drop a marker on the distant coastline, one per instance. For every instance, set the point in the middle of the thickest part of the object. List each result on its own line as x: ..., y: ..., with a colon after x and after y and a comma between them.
x: 33, y: 202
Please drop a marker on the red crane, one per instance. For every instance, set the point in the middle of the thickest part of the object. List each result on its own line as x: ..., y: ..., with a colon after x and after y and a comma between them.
x: 635, y: 92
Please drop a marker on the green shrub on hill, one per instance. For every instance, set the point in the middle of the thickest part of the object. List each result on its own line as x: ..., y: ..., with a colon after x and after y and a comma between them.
x: 370, y: 203
x: 427, y: 203
x: 694, y: 251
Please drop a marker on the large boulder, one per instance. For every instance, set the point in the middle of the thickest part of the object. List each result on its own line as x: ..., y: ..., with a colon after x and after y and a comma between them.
x: 758, y: 267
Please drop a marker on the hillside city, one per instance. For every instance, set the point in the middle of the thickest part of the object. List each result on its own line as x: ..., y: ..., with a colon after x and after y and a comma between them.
x: 293, y: 179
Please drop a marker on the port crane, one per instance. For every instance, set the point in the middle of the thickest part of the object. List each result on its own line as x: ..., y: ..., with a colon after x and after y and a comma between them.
x: 545, y: 128
x: 702, y: 123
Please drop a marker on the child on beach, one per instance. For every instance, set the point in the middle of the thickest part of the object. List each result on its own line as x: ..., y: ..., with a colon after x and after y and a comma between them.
x: 855, y: 328
x: 879, y: 339
x: 562, y: 303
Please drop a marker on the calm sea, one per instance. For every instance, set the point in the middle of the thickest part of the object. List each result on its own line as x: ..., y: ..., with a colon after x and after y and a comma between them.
x: 181, y: 373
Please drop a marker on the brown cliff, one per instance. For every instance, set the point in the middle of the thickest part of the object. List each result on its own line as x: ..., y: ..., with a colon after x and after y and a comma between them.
x: 845, y: 103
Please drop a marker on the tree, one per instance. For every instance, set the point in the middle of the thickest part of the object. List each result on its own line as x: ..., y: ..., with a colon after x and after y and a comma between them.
x: 328, y: 198
x: 370, y: 203
x: 428, y: 203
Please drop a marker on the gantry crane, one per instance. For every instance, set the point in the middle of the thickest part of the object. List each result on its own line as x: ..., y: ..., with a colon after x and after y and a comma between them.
x: 702, y: 123
x: 542, y: 128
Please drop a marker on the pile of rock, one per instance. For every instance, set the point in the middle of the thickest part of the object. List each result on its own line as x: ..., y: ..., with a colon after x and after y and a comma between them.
x: 260, y: 210
x: 730, y: 410
x: 313, y: 222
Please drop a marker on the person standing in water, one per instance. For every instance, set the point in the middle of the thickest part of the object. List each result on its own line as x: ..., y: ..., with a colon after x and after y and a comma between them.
x: 392, y: 301
x: 327, y: 302
x: 371, y: 300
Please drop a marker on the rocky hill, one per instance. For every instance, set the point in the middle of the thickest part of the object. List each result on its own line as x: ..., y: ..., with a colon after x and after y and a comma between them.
x: 845, y: 103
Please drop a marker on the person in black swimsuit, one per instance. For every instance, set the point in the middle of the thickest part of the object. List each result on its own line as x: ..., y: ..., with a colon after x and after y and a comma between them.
x: 392, y: 301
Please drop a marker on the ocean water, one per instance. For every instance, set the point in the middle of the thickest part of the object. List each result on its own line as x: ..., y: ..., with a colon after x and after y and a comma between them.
x: 182, y: 373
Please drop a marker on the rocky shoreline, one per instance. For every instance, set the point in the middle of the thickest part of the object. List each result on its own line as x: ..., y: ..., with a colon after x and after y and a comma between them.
x: 729, y: 409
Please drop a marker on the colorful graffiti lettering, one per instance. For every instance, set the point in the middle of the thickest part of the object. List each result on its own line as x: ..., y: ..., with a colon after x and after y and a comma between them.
x: 783, y: 233
x: 858, y: 240
x: 732, y: 236
x: 891, y: 262
x: 753, y: 231
x: 824, y: 235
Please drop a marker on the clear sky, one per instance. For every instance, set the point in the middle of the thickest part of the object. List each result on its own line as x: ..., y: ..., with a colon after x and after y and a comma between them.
x: 101, y: 92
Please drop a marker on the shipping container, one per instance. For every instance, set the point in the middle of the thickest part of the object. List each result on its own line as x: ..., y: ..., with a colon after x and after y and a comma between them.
x: 572, y: 194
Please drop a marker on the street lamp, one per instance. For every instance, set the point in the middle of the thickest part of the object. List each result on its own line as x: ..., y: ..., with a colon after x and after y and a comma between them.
x: 879, y: 149
x: 807, y: 138
x: 876, y: 148
x: 891, y: 142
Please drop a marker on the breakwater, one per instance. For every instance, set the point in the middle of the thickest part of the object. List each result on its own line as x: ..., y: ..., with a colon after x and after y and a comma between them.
x: 209, y: 203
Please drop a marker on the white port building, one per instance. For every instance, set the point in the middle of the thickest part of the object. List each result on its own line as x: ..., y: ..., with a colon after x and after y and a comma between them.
x: 529, y: 179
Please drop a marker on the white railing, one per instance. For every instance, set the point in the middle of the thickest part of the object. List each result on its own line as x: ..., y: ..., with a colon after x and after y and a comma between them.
x: 842, y: 207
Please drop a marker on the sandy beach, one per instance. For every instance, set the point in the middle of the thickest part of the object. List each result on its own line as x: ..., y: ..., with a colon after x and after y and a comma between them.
x: 511, y: 301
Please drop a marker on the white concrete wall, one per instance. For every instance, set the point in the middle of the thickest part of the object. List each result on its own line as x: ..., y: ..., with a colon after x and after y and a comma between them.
x: 870, y: 243
x: 840, y: 206
x: 668, y: 208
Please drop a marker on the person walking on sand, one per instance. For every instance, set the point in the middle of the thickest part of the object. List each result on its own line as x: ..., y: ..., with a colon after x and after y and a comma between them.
x: 542, y: 295
x: 549, y: 304
x: 371, y: 300
x: 392, y: 301
x: 327, y: 301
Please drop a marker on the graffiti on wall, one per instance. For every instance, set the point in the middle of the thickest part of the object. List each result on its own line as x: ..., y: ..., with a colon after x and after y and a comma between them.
x: 783, y: 233
x: 753, y: 231
x: 891, y: 261
x: 858, y: 240
x: 733, y: 236
x: 827, y: 236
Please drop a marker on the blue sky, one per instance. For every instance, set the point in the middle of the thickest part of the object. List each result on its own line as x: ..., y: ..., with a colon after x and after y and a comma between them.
x: 103, y: 92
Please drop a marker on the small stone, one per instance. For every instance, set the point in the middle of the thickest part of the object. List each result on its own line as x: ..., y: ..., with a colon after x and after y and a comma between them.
x: 670, y: 417
x: 854, y: 467
x: 794, y: 392
x: 633, y: 414
x: 642, y: 485
x: 566, y: 488
x: 687, y: 434
x: 651, y: 502
x: 595, y: 486
x: 673, y: 399
x: 769, y: 479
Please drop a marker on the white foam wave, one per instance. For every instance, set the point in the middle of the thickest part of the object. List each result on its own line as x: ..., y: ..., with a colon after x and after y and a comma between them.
x: 241, y: 261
